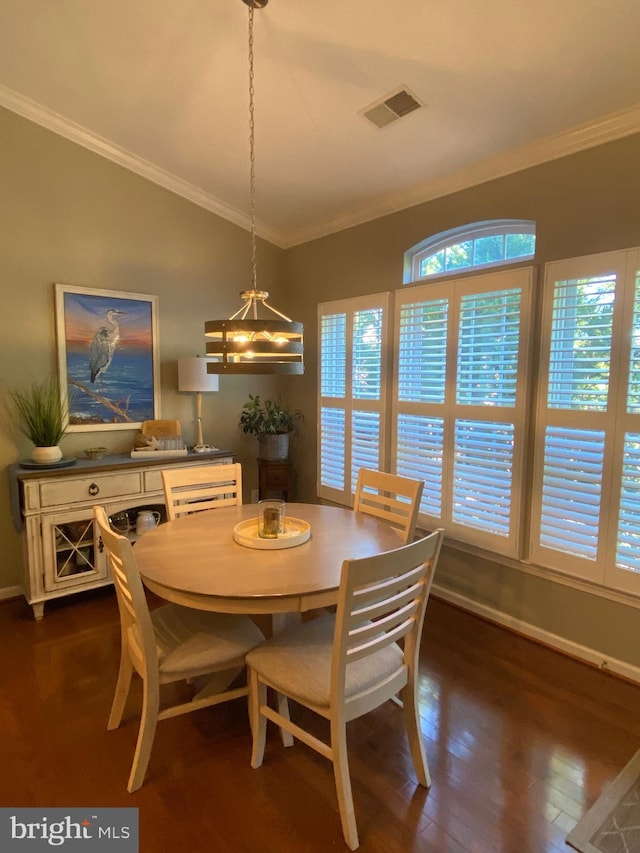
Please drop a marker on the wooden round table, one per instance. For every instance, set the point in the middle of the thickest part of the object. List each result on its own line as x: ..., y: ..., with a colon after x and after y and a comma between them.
x: 194, y: 560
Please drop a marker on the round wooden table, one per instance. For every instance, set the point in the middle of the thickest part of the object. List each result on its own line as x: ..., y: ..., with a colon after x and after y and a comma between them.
x: 194, y: 560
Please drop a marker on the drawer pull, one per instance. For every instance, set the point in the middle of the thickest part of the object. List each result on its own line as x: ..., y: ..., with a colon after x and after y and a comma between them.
x: 94, y: 488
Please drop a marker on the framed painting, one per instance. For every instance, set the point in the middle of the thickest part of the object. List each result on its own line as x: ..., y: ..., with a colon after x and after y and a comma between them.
x: 107, y: 357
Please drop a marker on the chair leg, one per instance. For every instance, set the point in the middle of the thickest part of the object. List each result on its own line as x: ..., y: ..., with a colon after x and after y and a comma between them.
x: 283, y: 710
x: 414, y: 734
x: 343, y: 783
x: 258, y: 722
x: 122, y: 690
x: 148, y: 722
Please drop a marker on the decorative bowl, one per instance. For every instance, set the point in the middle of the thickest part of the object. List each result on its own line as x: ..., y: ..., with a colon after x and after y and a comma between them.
x: 95, y: 452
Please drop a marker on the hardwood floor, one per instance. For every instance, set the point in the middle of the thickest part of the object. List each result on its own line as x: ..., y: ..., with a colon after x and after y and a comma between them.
x: 520, y: 742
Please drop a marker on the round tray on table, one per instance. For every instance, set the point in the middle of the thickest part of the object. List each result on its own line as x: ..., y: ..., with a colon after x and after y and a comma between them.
x: 296, y: 532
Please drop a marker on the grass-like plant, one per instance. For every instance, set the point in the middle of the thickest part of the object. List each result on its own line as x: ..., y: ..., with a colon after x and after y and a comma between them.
x: 40, y: 412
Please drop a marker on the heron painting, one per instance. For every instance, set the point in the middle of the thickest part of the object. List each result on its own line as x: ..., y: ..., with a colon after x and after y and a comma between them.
x: 107, y: 347
x: 103, y: 344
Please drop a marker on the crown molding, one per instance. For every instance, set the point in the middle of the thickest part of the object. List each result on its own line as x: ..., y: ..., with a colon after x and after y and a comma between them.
x: 98, y: 145
x: 588, y: 135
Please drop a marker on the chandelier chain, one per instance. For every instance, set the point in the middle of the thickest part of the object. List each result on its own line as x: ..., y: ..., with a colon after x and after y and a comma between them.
x: 252, y: 156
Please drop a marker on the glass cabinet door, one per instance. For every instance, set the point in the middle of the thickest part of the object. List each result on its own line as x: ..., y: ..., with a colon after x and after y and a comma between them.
x: 73, y: 550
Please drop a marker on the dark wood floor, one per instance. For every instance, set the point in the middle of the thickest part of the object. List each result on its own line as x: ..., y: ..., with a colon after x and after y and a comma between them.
x: 520, y: 742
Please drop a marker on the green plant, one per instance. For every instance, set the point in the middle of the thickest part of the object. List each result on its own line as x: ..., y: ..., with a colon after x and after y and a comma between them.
x: 40, y: 412
x: 268, y: 418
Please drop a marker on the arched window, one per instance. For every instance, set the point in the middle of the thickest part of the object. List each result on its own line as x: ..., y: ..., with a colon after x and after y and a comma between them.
x: 494, y: 242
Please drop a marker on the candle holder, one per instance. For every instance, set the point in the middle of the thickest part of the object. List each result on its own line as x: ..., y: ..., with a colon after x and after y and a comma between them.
x: 270, y: 518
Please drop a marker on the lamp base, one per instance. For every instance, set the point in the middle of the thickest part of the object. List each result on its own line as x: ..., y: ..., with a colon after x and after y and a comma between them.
x: 204, y: 448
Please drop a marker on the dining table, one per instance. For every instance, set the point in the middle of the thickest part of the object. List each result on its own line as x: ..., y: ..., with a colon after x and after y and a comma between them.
x: 194, y: 560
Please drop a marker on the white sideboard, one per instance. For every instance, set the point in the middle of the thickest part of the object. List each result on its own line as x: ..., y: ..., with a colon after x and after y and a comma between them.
x: 53, y: 511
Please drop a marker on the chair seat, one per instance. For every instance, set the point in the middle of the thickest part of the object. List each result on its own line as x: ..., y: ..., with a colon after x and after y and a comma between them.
x: 298, y: 661
x: 184, y: 636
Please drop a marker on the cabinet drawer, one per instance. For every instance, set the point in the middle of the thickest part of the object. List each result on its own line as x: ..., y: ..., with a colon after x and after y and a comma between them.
x: 88, y: 489
x: 152, y: 480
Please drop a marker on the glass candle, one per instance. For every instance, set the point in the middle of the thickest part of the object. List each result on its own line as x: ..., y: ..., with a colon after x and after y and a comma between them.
x: 270, y: 518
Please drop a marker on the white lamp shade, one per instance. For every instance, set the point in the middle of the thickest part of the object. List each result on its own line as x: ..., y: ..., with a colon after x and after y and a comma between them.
x: 193, y: 376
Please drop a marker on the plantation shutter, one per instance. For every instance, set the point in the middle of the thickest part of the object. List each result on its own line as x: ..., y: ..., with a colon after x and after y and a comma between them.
x: 353, y: 380
x: 422, y: 359
x: 586, y: 500
x: 460, y: 402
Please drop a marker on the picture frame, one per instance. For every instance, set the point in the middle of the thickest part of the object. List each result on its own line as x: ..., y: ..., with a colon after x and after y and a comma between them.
x: 108, y: 362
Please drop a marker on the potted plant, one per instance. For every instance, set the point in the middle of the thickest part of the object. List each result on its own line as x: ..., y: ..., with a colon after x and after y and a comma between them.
x: 40, y: 415
x: 272, y: 424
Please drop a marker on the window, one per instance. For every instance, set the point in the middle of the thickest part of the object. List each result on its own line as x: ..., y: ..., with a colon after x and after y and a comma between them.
x: 586, y: 504
x: 475, y: 246
x: 459, y: 399
x: 546, y: 474
x: 459, y: 414
x: 353, y: 381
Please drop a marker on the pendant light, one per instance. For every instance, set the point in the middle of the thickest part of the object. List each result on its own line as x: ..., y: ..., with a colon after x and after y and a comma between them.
x: 246, y: 343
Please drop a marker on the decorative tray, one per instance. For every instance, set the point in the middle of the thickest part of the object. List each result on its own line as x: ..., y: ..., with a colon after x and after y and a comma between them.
x: 158, y: 454
x: 36, y: 466
x: 296, y: 532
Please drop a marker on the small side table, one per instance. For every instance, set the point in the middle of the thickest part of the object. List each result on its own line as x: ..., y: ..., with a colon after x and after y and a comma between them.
x: 275, y: 479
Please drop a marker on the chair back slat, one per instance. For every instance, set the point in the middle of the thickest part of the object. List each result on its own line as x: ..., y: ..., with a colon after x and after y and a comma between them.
x: 386, y: 587
x: 382, y: 633
x: 121, y: 583
x: 188, y: 490
x: 391, y: 498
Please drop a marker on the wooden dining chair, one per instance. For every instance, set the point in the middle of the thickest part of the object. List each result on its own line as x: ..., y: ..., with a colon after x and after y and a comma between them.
x: 212, y: 486
x: 345, y: 665
x: 390, y: 497
x: 168, y: 644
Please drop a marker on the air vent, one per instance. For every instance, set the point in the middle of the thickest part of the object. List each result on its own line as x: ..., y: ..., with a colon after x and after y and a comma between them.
x: 393, y: 107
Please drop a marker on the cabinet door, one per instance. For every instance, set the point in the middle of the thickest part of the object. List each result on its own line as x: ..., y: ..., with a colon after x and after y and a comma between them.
x: 72, y: 550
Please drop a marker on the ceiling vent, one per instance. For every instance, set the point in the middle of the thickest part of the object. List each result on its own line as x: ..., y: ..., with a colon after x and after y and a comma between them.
x: 393, y: 107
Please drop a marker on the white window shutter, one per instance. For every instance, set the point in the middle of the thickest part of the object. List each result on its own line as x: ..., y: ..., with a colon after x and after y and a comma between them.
x: 586, y: 490
x: 461, y: 402
x: 353, y: 378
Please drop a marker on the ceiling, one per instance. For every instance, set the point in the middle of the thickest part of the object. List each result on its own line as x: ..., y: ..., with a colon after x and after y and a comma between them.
x: 161, y: 87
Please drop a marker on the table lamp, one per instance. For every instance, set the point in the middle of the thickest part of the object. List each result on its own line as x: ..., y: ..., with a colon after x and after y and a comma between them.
x: 193, y: 376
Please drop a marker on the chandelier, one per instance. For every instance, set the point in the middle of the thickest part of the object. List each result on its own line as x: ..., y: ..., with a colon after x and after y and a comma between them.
x: 247, y: 343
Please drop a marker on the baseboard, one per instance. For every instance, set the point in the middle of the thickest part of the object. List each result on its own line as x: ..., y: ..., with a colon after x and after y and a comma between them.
x: 554, y: 641
x: 10, y: 592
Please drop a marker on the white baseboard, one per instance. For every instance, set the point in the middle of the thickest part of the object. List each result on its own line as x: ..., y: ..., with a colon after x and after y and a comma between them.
x: 10, y: 592
x: 561, y: 644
